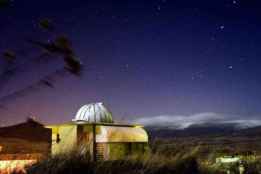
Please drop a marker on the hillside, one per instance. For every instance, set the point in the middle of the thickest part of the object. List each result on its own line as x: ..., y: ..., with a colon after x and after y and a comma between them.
x: 29, y: 137
x: 204, y: 130
x: 29, y: 130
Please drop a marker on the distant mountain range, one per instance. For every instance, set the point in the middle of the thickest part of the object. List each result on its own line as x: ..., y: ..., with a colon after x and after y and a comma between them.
x: 201, y: 130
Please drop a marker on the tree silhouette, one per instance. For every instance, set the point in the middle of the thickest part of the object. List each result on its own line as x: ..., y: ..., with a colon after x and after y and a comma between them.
x: 4, y: 3
x: 58, y: 48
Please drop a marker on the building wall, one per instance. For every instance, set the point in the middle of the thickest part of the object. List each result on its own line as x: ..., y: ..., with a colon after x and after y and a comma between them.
x: 64, y: 139
x: 85, y: 138
x: 121, y: 150
x: 111, y: 144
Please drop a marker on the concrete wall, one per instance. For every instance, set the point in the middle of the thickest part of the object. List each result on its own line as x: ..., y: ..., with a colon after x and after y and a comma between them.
x: 64, y: 139
x: 81, y: 137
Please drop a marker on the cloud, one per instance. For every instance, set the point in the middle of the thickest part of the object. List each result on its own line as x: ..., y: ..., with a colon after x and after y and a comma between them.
x: 185, y: 121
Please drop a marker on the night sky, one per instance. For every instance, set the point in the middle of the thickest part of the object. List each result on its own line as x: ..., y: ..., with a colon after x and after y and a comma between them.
x: 142, y: 58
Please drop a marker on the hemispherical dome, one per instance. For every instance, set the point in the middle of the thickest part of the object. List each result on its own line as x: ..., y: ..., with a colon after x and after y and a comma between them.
x: 94, y: 113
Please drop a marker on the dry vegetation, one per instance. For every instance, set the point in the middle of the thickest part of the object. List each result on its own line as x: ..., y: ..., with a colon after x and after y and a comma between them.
x: 165, y: 157
x: 132, y: 165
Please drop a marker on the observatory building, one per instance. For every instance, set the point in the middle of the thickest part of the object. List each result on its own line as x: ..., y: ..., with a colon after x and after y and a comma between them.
x: 94, y: 132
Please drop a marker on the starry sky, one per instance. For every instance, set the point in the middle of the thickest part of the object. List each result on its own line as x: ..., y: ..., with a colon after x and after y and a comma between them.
x: 142, y: 58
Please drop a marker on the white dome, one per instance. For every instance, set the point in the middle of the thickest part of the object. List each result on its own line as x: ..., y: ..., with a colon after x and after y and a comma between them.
x: 94, y: 113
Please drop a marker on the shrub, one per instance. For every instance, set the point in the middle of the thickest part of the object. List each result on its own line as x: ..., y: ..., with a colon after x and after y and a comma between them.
x: 147, y: 164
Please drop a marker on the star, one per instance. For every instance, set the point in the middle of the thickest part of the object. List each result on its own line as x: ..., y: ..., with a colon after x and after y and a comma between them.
x: 198, y: 75
x: 222, y: 27
x: 213, y: 38
x: 126, y: 20
x: 113, y: 17
x: 242, y: 59
x: 125, y: 67
x: 230, y: 67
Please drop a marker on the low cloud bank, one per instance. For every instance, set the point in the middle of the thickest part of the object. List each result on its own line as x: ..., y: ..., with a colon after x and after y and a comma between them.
x: 185, y: 121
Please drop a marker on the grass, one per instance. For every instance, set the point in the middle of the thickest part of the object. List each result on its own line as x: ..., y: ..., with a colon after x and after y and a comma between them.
x: 146, y: 164
x: 164, y: 158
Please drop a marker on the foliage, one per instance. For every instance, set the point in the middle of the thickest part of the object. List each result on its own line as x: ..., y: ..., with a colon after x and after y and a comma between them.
x: 152, y: 164
x: 4, y: 3
x: 164, y: 158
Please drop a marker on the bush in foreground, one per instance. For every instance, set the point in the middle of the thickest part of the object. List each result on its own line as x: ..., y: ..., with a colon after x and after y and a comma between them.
x: 150, y: 164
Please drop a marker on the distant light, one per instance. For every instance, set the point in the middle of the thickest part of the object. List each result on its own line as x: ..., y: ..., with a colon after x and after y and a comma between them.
x: 9, y: 166
x: 222, y: 27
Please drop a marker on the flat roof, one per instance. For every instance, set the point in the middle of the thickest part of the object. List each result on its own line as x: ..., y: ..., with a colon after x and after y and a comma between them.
x: 98, y: 124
